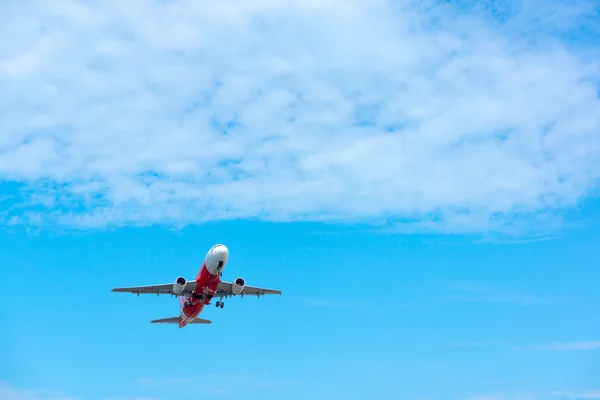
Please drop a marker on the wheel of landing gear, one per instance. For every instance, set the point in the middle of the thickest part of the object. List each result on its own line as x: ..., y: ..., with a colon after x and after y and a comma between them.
x: 222, y: 305
x: 217, y: 303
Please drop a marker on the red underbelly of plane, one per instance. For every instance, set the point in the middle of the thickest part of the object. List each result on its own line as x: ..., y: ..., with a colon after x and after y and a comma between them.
x: 206, y: 284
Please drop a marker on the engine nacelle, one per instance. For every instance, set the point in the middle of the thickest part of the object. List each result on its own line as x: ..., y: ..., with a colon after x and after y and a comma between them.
x: 238, y: 286
x: 179, y: 285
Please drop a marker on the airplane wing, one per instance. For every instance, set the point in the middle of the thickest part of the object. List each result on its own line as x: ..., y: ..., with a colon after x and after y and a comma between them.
x: 224, y: 289
x: 166, y: 288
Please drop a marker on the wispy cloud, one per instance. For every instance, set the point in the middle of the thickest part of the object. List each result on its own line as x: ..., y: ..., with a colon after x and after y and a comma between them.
x: 163, y: 381
x: 217, y: 384
x: 410, y: 113
x: 479, y: 292
x: 503, y: 396
x: 590, y: 394
x: 572, y: 346
x: 330, y: 303
x: 10, y: 392
x: 480, y: 343
x: 132, y: 398
x: 521, y: 240
x: 487, y: 397
x: 344, y: 304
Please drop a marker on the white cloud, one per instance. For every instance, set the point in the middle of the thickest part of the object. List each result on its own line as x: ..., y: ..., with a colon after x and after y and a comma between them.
x: 504, y: 396
x: 132, y: 398
x: 217, y: 384
x: 9, y: 392
x: 331, y: 303
x: 573, y: 346
x: 324, y: 302
x: 177, y: 111
x: 480, y: 343
x: 590, y: 394
x: 481, y: 293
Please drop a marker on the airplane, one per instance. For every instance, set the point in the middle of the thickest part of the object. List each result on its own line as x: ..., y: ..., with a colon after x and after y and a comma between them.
x: 194, y: 295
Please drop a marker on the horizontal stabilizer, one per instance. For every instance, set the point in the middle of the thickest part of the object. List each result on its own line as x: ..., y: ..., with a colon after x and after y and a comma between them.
x: 175, y: 320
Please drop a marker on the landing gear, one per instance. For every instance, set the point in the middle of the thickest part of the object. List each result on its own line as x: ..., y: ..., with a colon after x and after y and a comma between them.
x: 219, y: 304
x: 189, y: 301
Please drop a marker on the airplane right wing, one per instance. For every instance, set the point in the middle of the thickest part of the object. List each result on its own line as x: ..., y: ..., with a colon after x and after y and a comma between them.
x: 166, y: 288
x: 225, y: 289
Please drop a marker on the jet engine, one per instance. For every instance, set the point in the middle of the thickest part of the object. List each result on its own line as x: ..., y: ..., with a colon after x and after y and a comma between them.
x: 238, y: 286
x: 179, y: 285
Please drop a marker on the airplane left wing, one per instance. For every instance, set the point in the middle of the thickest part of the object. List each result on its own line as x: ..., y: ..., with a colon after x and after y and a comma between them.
x: 166, y: 288
x: 224, y: 289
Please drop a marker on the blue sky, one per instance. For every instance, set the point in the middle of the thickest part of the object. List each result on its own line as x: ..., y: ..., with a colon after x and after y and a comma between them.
x: 418, y: 177
x: 415, y: 316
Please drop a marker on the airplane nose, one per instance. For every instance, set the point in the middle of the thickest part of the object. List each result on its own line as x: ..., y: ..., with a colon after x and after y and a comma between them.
x: 221, y: 252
